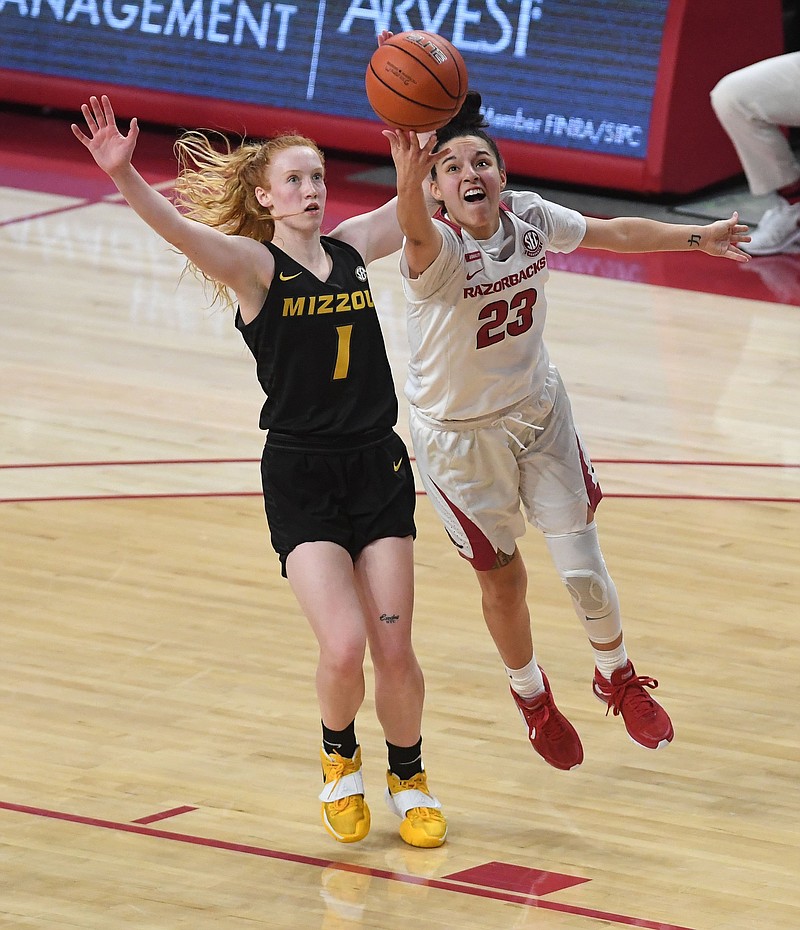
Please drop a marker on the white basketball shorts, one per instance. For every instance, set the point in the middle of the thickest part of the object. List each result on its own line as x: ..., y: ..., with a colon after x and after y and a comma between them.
x: 479, y: 473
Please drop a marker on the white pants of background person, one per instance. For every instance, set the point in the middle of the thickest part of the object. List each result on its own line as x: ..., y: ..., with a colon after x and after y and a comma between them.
x: 752, y: 105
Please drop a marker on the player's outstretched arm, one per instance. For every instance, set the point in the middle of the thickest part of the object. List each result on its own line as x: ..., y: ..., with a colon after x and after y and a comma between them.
x: 637, y: 234
x: 413, y: 163
x: 378, y: 233
x: 231, y: 260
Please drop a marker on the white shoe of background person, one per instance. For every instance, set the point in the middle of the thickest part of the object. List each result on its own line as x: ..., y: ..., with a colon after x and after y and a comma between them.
x: 778, y: 231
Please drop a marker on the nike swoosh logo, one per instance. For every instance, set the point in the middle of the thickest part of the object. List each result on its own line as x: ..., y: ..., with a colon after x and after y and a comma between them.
x: 396, y: 465
x: 288, y: 277
x: 470, y: 276
x: 457, y: 545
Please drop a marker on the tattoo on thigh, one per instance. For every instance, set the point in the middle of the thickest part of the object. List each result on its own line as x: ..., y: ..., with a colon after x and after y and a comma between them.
x: 503, y: 558
x: 389, y: 618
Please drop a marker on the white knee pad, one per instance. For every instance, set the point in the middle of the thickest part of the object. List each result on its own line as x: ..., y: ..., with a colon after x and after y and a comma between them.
x: 579, y: 562
x: 588, y: 589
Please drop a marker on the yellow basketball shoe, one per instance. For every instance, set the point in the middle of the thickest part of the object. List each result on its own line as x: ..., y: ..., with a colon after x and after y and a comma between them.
x: 423, y: 823
x: 345, y: 814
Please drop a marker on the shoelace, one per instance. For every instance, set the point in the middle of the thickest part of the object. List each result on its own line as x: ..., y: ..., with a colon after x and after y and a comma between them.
x: 541, y: 716
x: 633, y: 692
x: 417, y: 782
x: 341, y: 804
x: 557, y: 730
x: 425, y: 813
x: 339, y: 769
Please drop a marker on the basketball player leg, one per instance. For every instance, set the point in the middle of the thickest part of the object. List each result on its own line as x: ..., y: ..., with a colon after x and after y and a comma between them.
x: 580, y: 564
x: 384, y: 572
x: 322, y: 577
x: 507, y: 617
x: 385, y: 578
x: 488, y: 543
x: 561, y: 502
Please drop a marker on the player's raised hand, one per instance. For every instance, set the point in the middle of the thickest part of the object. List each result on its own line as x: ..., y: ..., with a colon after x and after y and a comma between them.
x: 723, y: 238
x: 110, y: 149
x: 413, y: 158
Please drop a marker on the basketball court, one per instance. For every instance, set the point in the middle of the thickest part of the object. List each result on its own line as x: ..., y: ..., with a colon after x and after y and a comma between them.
x: 160, y: 727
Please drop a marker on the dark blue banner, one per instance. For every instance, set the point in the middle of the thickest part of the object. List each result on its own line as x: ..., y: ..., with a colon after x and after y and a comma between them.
x: 575, y: 74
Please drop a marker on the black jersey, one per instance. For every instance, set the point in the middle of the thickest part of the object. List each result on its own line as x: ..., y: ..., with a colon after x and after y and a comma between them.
x: 319, y: 351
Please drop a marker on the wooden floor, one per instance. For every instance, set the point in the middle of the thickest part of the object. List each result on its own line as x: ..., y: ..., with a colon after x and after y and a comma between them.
x: 159, y: 727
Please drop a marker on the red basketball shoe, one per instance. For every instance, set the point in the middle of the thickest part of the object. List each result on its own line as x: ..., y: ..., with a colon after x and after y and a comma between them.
x: 646, y: 721
x: 550, y: 733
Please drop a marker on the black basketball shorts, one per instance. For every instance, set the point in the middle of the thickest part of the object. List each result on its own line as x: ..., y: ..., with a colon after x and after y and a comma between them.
x: 349, y: 496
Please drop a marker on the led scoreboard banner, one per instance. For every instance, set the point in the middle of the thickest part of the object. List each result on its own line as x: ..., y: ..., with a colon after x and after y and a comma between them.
x: 608, y: 93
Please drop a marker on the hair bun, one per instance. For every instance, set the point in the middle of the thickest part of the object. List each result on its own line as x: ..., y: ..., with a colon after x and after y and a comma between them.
x: 469, y: 116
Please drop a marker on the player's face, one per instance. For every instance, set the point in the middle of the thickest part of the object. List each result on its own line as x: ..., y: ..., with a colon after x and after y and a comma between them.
x: 295, y: 186
x: 468, y: 182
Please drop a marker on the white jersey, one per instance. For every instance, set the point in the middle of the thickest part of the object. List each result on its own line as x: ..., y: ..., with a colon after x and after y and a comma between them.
x: 476, y: 315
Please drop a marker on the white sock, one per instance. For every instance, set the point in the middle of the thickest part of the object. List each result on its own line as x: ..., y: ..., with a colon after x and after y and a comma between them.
x: 527, y: 681
x: 609, y: 660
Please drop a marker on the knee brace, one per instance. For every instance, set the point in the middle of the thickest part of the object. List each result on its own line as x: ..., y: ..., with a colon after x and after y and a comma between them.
x: 579, y: 562
x: 588, y: 589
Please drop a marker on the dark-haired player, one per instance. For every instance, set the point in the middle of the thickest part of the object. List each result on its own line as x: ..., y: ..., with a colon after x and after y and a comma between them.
x: 490, y: 419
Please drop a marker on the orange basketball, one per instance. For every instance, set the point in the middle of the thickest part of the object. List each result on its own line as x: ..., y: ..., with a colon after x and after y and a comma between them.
x: 416, y: 81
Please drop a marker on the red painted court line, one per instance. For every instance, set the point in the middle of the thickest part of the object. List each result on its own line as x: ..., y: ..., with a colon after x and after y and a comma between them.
x: 733, y: 498
x: 23, y: 465
x: 691, y: 463
x: 126, y: 497
x: 224, y: 461
x: 706, y: 497
x: 516, y: 878
x: 65, y: 209
x: 115, y: 199
x: 279, y: 855
x: 165, y: 814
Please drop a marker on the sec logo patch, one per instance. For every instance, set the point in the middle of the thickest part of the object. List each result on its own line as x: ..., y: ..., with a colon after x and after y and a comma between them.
x: 532, y: 243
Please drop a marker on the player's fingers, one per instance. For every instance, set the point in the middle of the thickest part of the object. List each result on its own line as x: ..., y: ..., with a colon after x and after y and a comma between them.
x: 79, y: 135
x: 404, y: 142
x: 97, y: 111
x: 89, y: 117
x: 737, y: 255
x: 108, y: 112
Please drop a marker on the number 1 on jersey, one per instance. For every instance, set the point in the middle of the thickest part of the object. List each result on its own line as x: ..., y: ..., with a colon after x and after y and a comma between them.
x: 342, y: 365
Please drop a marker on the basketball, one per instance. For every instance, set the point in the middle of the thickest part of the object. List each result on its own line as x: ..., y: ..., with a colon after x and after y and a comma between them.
x: 416, y: 81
